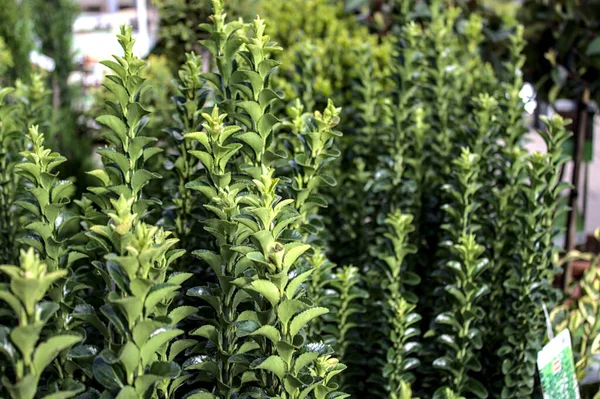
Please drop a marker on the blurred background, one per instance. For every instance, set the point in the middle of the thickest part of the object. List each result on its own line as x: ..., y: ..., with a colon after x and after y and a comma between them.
x: 62, y: 41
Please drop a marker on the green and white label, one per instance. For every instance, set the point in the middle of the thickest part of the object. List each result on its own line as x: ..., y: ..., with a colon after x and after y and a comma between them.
x: 557, y: 369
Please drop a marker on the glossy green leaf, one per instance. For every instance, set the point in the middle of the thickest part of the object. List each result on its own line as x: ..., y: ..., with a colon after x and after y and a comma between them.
x: 266, y: 289
x: 303, y: 318
x: 275, y: 365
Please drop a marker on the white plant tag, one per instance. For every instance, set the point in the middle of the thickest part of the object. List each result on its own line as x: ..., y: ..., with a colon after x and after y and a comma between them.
x: 557, y: 369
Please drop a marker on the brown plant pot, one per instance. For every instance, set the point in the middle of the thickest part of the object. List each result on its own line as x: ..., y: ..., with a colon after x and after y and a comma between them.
x: 579, y: 268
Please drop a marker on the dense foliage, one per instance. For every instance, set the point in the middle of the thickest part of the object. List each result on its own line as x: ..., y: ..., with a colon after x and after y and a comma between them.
x: 563, y: 47
x: 16, y: 32
x: 180, y: 22
x: 351, y: 216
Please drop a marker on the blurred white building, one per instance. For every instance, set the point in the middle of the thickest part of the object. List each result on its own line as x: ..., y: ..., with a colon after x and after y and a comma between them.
x: 105, y: 5
x: 95, y: 29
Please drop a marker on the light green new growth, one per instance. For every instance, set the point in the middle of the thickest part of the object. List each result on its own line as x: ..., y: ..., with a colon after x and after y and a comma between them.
x: 25, y: 345
x: 129, y: 149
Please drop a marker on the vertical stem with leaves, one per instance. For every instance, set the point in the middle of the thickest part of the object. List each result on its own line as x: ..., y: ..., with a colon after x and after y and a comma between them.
x: 458, y: 330
x: 528, y: 283
x: 399, y: 307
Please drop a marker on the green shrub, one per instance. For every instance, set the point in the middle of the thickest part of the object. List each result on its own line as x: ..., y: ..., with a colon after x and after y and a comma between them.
x: 446, y: 97
x: 322, y: 43
x: 203, y: 263
x: 259, y: 311
x: 6, y: 60
x: 17, y: 34
x: 180, y: 20
x: 12, y: 143
x: 53, y: 25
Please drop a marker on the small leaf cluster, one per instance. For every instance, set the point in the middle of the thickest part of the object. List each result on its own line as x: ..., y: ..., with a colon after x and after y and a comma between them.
x: 28, y: 344
x: 50, y: 224
x: 139, y: 360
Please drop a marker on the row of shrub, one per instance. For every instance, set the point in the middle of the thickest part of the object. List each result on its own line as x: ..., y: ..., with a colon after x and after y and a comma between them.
x: 356, y: 216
